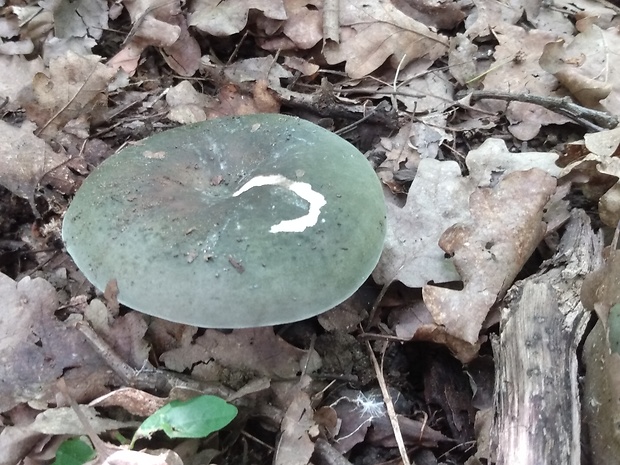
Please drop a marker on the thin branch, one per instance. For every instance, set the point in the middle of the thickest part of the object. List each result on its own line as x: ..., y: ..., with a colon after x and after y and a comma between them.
x: 593, y: 120
x: 389, y: 405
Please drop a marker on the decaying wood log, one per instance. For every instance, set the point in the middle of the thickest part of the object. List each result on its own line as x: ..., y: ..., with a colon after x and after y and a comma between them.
x: 537, y: 408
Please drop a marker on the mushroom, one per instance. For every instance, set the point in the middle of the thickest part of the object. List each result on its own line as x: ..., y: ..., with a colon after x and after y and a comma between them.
x: 236, y: 222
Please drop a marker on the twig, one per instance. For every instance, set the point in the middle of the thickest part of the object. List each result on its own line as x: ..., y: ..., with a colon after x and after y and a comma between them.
x: 593, y: 120
x: 102, y: 448
x: 331, y: 21
x: 389, y: 405
x: 148, y: 378
x: 327, y: 454
x: 380, y: 107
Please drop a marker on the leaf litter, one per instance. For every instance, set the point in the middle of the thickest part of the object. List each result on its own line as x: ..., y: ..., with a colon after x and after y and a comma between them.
x: 476, y: 190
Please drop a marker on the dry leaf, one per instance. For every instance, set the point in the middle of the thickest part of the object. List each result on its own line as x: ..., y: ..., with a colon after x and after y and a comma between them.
x: 21, y: 71
x: 516, y: 70
x: 295, y: 446
x: 24, y: 159
x: 254, y: 350
x: 437, y: 199
x: 133, y: 457
x: 586, y: 90
x: 134, y: 401
x: 492, y: 160
x: 604, y: 143
x: 489, y: 13
x: 161, y: 24
x: 63, y: 420
x: 76, y: 86
x: 490, y: 249
x: 586, y: 66
x: 223, y: 19
x: 375, y: 31
x: 36, y: 349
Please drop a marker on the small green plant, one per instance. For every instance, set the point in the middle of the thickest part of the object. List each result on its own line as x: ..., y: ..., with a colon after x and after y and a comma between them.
x: 194, y: 418
x: 74, y: 451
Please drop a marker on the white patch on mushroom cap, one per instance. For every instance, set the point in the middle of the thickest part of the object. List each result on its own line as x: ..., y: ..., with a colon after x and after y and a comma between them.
x: 302, y: 189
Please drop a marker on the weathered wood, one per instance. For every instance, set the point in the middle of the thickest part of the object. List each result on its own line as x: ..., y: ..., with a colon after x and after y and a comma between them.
x: 537, y: 407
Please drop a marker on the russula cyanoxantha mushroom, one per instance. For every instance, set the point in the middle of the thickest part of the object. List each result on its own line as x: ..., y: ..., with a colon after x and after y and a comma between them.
x: 235, y: 222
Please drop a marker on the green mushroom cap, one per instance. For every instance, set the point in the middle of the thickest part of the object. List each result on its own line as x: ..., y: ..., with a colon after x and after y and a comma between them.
x: 230, y: 223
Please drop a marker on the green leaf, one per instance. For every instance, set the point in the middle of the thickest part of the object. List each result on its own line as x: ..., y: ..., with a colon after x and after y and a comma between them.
x: 74, y: 452
x: 194, y: 418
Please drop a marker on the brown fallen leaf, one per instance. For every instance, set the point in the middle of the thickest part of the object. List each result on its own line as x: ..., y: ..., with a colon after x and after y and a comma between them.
x: 132, y: 400
x: 25, y: 159
x: 76, y: 86
x: 298, y: 427
x: 375, y: 31
x: 585, y: 66
x: 36, y: 349
x: 414, y: 322
x: 490, y: 249
x: 223, y: 19
x: 516, y: 70
x: 437, y: 200
x: 161, y: 24
x: 134, y: 457
x: 254, y: 350
x: 596, y: 168
x: 21, y: 71
x: 489, y: 13
x: 586, y: 90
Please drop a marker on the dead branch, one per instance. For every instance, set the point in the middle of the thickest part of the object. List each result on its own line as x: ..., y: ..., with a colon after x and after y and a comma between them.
x: 593, y: 120
x: 537, y: 407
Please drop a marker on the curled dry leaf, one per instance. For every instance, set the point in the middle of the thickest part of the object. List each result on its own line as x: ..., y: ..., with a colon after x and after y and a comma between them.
x: 598, y: 172
x: 586, y: 90
x: 586, y: 67
x: 490, y: 249
x: 160, y: 24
